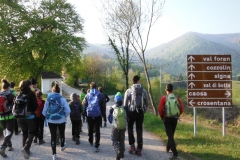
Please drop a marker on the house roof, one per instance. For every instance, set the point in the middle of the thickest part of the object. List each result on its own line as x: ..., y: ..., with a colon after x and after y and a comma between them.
x: 50, y: 75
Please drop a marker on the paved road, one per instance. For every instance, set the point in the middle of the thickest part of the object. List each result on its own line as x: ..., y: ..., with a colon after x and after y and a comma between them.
x: 153, y: 148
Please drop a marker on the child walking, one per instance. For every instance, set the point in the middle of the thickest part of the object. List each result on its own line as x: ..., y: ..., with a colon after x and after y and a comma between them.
x: 75, y: 116
x: 39, y: 119
x: 118, y: 118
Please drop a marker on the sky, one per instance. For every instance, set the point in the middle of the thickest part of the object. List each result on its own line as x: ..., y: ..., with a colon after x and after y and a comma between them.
x: 178, y: 18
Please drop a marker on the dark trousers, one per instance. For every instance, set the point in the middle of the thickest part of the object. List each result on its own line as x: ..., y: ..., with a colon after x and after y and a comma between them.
x: 118, y: 138
x: 39, y: 128
x: 94, y: 123
x: 16, y: 125
x: 53, y: 131
x: 75, y: 128
x: 7, y: 126
x: 28, y: 127
x: 170, y: 126
x: 136, y: 117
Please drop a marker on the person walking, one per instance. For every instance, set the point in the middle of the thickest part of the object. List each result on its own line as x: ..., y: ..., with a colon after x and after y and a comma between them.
x: 135, y: 103
x: 170, y: 122
x: 82, y: 96
x: 94, y: 107
x: 56, y: 110
x: 7, y: 119
x: 75, y: 116
x: 39, y: 119
x: 27, y: 123
x: 13, y: 91
x: 104, y: 118
x: 118, y: 118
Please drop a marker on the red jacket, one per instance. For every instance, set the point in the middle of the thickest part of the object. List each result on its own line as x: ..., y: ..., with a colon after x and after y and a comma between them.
x: 162, y: 104
x: 40, y: 107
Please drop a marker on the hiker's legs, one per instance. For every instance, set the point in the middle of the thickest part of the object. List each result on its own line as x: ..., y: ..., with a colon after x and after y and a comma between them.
x: 7, y: 126
x: 73, y: 128
x: 31, y: 125
x: 53, y: 132
x: 97, y: 124
x: 77, y: 128
x: 121, y: 140
x: 170, y: 123
x: 115, y: 139
x: 41, y: 128
x: 90, y: 129
x: 16, y: 125
x: 37, y: 127
x: 139, y: 129
x: 62, y: 127
x: 131, y: 120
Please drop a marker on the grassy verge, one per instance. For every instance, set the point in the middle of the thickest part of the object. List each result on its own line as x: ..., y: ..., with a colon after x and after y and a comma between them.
x: 209, y: 144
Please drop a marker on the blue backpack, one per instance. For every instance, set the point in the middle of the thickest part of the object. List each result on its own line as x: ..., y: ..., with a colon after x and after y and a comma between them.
x: 55, y: 111
x: 93, y: 109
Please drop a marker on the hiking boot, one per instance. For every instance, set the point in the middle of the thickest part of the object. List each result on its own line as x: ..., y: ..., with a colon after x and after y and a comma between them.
x: 173, y: 157
x: 35, y: 140
x: 41, y: 142
x: 73, y: 138
x: 54, y: 157
x: 91, y: 144
x: 10, y: 148
x: 105, y: 124
x: 138, y: 152
x: 25, y: 153
x: 96, y: 149
x: 132, y: 149
x: 64, y: 147
x: 2, y: 152
x: 77, y: 141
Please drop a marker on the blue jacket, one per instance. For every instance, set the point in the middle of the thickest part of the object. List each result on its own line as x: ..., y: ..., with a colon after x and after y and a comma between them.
x: 63, y: 103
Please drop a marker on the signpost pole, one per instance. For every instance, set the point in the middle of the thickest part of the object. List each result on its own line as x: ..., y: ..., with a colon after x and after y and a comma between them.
x: 223, y: 122
x: 195, y: 121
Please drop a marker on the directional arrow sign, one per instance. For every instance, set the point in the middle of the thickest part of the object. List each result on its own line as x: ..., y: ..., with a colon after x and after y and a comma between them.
x: 209, y: 58
x: 210, y: 103
x: 210, y: 76
x: 210, y: 67
x: 209, y: 84
x: 193, y: 93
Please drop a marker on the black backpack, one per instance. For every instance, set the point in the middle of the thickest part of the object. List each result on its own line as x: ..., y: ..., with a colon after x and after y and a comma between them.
x: 137, y: 98
x: 75, y: 110
x: 20, y: 106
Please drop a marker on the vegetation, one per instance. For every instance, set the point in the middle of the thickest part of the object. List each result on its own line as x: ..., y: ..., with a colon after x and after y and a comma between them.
x: 38, y: 36
x: 209, y: 144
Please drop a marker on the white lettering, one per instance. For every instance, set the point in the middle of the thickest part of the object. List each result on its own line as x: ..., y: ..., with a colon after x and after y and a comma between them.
x: 222, y: 59
x: 219, y: 68
x: 214, y: 103
x: 222, y: 76
x: 202, y: 94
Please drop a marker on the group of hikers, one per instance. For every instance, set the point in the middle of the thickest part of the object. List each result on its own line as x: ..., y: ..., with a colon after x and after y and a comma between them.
x: 33, y: 113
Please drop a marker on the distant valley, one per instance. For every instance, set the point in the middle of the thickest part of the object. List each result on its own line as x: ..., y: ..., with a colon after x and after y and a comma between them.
x: 174, y: 53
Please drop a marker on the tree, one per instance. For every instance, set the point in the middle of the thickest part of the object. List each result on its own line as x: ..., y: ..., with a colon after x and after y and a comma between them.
x: 38, y: 36
x: 136, y: 17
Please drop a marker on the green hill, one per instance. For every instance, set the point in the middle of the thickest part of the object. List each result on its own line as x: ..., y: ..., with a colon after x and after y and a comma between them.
x: 175, y: 52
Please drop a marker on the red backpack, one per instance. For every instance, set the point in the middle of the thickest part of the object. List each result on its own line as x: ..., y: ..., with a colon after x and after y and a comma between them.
x: 40, y: 107
x: 3, y: 105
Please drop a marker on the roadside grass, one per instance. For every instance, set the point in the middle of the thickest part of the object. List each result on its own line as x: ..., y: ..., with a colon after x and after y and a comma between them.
x: 209, y: 144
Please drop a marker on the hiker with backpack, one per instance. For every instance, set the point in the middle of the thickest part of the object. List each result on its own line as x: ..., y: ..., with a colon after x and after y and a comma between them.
x: 100, y: 89
x: 7, y: 119
x: 56, y: 110
x: 75, y: 116
x: 118, y: 118
x: 135, y: 103
x: 14, y: 92
x: 94, y: 107
x: 169, y: 109
x: 25, y: 105
x: 34, y: 85
x: 82, y: 96
x: 39, y: 119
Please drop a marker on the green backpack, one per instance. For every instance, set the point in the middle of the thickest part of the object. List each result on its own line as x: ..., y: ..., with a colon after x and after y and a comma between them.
x: 119, y: 117
x: 171, y: 107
